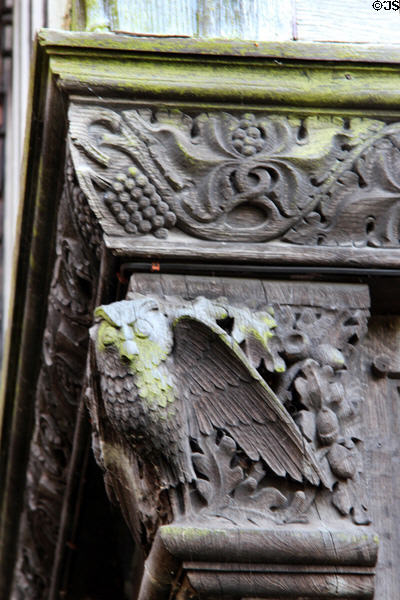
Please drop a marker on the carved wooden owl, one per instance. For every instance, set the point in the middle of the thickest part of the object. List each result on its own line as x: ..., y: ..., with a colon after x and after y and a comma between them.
x: 169, y: 373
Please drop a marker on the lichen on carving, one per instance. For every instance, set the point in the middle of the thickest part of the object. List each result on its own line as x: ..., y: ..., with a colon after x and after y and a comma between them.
x: 239, y: 177
x: 180, y: 392
x: 186, y: 390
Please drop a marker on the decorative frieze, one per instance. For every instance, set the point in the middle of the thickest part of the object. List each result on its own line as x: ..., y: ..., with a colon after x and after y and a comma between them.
x: 237, y: 177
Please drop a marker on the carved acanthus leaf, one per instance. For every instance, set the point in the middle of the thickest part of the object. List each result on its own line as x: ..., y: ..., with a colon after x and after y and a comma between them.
x: 236, y: 491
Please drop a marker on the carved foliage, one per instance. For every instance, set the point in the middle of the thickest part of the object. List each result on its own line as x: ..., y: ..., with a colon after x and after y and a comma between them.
x: 237, y: 490
x: 322, y: 387
x: 239, y: 177
x: 360, y: 206
x: 59, y: 386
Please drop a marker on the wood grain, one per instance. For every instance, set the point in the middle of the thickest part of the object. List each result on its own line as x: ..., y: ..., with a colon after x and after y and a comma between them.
x: 352, y: 21
x: 269, y: 253
x: 230, y: 19
x: 382, y: 452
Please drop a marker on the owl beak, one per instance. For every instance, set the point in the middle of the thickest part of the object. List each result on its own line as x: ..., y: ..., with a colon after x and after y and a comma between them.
x: 129, y: 349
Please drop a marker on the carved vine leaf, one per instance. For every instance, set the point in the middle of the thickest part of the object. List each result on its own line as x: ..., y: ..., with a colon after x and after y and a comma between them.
x: 242, y: 177
x: 234, y: 491
x: 360, y: 206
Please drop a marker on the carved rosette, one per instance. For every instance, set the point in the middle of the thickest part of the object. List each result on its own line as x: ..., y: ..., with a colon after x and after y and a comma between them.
x: 239, y: 177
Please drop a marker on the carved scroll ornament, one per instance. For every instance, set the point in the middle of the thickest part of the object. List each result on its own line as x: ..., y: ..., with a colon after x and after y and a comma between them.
x: 182, y: 394
x: 228, y: 176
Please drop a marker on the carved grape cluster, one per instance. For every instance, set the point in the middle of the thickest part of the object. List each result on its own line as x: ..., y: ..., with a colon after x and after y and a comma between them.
x: 248, y: 137
x: 137, y: 206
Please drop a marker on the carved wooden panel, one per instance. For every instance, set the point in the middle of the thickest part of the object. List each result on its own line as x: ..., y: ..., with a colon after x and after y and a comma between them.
x: 237, y: 177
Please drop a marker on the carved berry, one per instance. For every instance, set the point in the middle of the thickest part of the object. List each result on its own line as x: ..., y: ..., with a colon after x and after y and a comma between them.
x: 137, y: 206
x: 155, y: 199
x: 327, y: 426
x: 118, y: 186
x: 341, y: 462
x: 144, y: 202
x: 161, y: 233
x: 131, y: 206
x: 149, y: 189
x: 149, y: 212
x: 136, y: 218
x: 116, y: 207
x: 110, y: 197
x: 129, y: 183
x: 248, y: 138
x: 141, y: 180
x: 145, y: 226
x: 131, y: 228
x: 158, y: 221
x: 170, y: 219
x: 123, y: 217
x: 163, y: 208
x: 136, y: 193
x: 123, y: 197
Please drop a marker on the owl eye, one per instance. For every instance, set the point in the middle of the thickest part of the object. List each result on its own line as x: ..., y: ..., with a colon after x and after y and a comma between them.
x: 108, y: 336
x: 143, y: 329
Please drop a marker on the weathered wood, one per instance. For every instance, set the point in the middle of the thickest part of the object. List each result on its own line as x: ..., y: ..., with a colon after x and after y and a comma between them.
x: 306, y: 51
x: 257, y: 292
x: 247, y: 19
x: 153, y: 17
x: 315, y: 338
x: 269, y: 563
x: 309, y: 346
x: 316, y: 294
x: 58, y: 388
x: 269, y: 254
x: 237, y: 180
x: 382, y: 451
x: 355, y: 21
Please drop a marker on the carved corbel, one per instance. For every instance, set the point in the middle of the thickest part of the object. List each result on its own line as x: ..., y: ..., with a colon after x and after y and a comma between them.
x: 196, y: 444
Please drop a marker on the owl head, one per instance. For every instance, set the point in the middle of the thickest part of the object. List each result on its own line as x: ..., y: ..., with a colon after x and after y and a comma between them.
x: 135, y: 327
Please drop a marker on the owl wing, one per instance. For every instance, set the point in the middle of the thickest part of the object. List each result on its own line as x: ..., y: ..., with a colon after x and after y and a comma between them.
x: 225, y: 392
